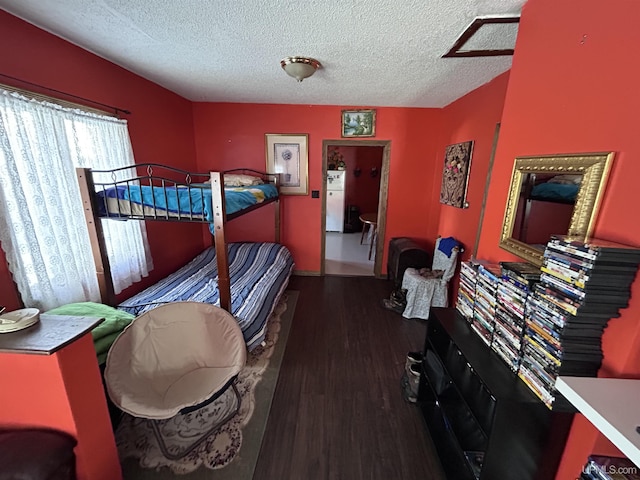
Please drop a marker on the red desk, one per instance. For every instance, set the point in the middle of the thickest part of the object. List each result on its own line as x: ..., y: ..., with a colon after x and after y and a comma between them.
x: 50, y: 378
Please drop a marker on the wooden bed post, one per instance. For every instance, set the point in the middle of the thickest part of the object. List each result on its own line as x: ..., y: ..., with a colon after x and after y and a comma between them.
x: 219, y: 217
x: 278, y: 220
x: 96, y: 235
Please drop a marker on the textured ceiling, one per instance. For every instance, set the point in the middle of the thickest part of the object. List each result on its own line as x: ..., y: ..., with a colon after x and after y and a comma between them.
x: 373, y: 52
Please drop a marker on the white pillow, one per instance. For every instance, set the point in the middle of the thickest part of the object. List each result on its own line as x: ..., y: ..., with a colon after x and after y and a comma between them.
x: 239, y: 180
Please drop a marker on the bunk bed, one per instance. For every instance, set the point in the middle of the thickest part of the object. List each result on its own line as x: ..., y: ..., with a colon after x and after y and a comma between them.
x: 246, y: 279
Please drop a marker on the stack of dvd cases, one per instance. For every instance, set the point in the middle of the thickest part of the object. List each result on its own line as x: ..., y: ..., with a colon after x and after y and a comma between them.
x: 582, y: 285
x: 515, y: 284
x: 484, y: 311
x: 467, y: 289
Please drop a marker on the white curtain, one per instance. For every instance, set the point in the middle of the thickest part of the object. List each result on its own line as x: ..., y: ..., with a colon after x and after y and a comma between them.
x: 42, y: 226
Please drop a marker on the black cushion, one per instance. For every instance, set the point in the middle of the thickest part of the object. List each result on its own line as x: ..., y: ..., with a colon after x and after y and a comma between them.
x: 36, y: 454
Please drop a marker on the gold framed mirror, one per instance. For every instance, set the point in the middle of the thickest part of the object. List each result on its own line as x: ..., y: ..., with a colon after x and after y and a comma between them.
x: 552, y: 194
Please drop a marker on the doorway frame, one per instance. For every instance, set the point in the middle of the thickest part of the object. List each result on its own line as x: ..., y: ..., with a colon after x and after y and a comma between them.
x: 383, y: 194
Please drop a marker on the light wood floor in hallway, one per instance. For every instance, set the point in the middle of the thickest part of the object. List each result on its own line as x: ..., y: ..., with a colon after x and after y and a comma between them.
x: 344, y: 255
x: 337, y: 411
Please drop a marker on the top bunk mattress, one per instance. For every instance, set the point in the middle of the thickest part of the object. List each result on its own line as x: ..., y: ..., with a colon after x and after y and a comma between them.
x: 555, y: 192
x: 259, y: 273
x: 192, y: 202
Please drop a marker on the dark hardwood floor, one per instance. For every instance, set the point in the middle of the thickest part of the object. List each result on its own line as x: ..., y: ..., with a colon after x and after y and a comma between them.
x: 337, y: 411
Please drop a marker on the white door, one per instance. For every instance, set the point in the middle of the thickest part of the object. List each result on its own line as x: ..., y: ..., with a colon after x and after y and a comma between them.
x: 335, y: 211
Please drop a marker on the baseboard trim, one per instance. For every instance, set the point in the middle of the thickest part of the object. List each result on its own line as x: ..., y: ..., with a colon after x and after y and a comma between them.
x: 306, y: 273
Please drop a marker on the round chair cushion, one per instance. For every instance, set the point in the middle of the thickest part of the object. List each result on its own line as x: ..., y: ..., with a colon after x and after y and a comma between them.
x: 172, y: 357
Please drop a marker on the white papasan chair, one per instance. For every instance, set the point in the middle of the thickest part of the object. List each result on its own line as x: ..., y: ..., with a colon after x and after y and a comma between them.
x: 430, y: 289
x: 173, y: 360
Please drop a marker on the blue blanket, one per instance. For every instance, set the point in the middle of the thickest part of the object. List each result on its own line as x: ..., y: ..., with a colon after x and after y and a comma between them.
x: 447, y: 244
x: 239, y: 198
x: 555, y: 191
x: 189, y: 201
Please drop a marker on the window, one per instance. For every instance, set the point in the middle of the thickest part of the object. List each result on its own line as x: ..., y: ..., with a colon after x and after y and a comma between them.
x: 42, y: 226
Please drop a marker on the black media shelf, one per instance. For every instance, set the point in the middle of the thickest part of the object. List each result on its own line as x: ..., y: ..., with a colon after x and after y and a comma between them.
x: 477, y: 409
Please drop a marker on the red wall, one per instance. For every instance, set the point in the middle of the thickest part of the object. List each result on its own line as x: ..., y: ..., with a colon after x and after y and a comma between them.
x: 62, y: 391
x: 231, y: 135
x: 472, y: 117
x: 364, y: 190
x: 160, y: 125
x: 573, y: 88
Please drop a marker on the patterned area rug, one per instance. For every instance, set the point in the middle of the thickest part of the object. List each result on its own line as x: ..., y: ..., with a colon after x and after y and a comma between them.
x: 135, y: 438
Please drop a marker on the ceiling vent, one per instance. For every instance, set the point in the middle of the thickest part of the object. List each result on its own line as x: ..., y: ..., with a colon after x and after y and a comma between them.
x: 486, y: 37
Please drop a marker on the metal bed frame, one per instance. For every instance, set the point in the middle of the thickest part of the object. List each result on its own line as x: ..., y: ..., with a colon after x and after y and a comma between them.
x: 168, y: 178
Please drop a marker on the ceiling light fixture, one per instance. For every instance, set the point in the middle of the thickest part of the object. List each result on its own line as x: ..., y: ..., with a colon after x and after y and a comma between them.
x: 300, y: 67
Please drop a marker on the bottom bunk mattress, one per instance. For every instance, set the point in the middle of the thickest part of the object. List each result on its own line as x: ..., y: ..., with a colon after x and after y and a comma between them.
x: 259, y: 273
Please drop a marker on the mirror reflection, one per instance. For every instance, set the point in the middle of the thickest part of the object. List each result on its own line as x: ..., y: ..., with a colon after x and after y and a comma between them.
x: 545, y: 207
x: 552, y: 195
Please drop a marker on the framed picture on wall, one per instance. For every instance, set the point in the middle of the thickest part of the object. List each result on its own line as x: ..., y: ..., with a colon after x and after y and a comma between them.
x: 358, y: 123
x: 455, y: 174
x: 288, y: 155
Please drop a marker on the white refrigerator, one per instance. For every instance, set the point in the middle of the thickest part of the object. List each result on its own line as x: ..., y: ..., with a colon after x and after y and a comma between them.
x: 335, y: 200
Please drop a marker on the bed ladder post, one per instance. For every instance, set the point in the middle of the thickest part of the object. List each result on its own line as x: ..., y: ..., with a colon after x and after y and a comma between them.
x: 278, y: 220
x: 96, y: 236
x: 219, y: 218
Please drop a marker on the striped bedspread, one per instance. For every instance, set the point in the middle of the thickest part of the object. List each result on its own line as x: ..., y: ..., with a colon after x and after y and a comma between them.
x: 259, y: 272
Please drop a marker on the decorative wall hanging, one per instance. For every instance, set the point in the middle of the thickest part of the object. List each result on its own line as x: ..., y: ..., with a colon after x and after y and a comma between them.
x: 288, y: 156
x: 358, y: 123
x: 455, y: 175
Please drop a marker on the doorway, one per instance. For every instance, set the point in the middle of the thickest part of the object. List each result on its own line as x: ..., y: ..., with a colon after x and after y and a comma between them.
x: 366, y: 163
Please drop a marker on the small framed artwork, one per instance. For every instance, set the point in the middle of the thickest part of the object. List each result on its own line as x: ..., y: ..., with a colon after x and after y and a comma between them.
x: 455, y: 174
x: 358, y: 123
x: 288, y: 155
